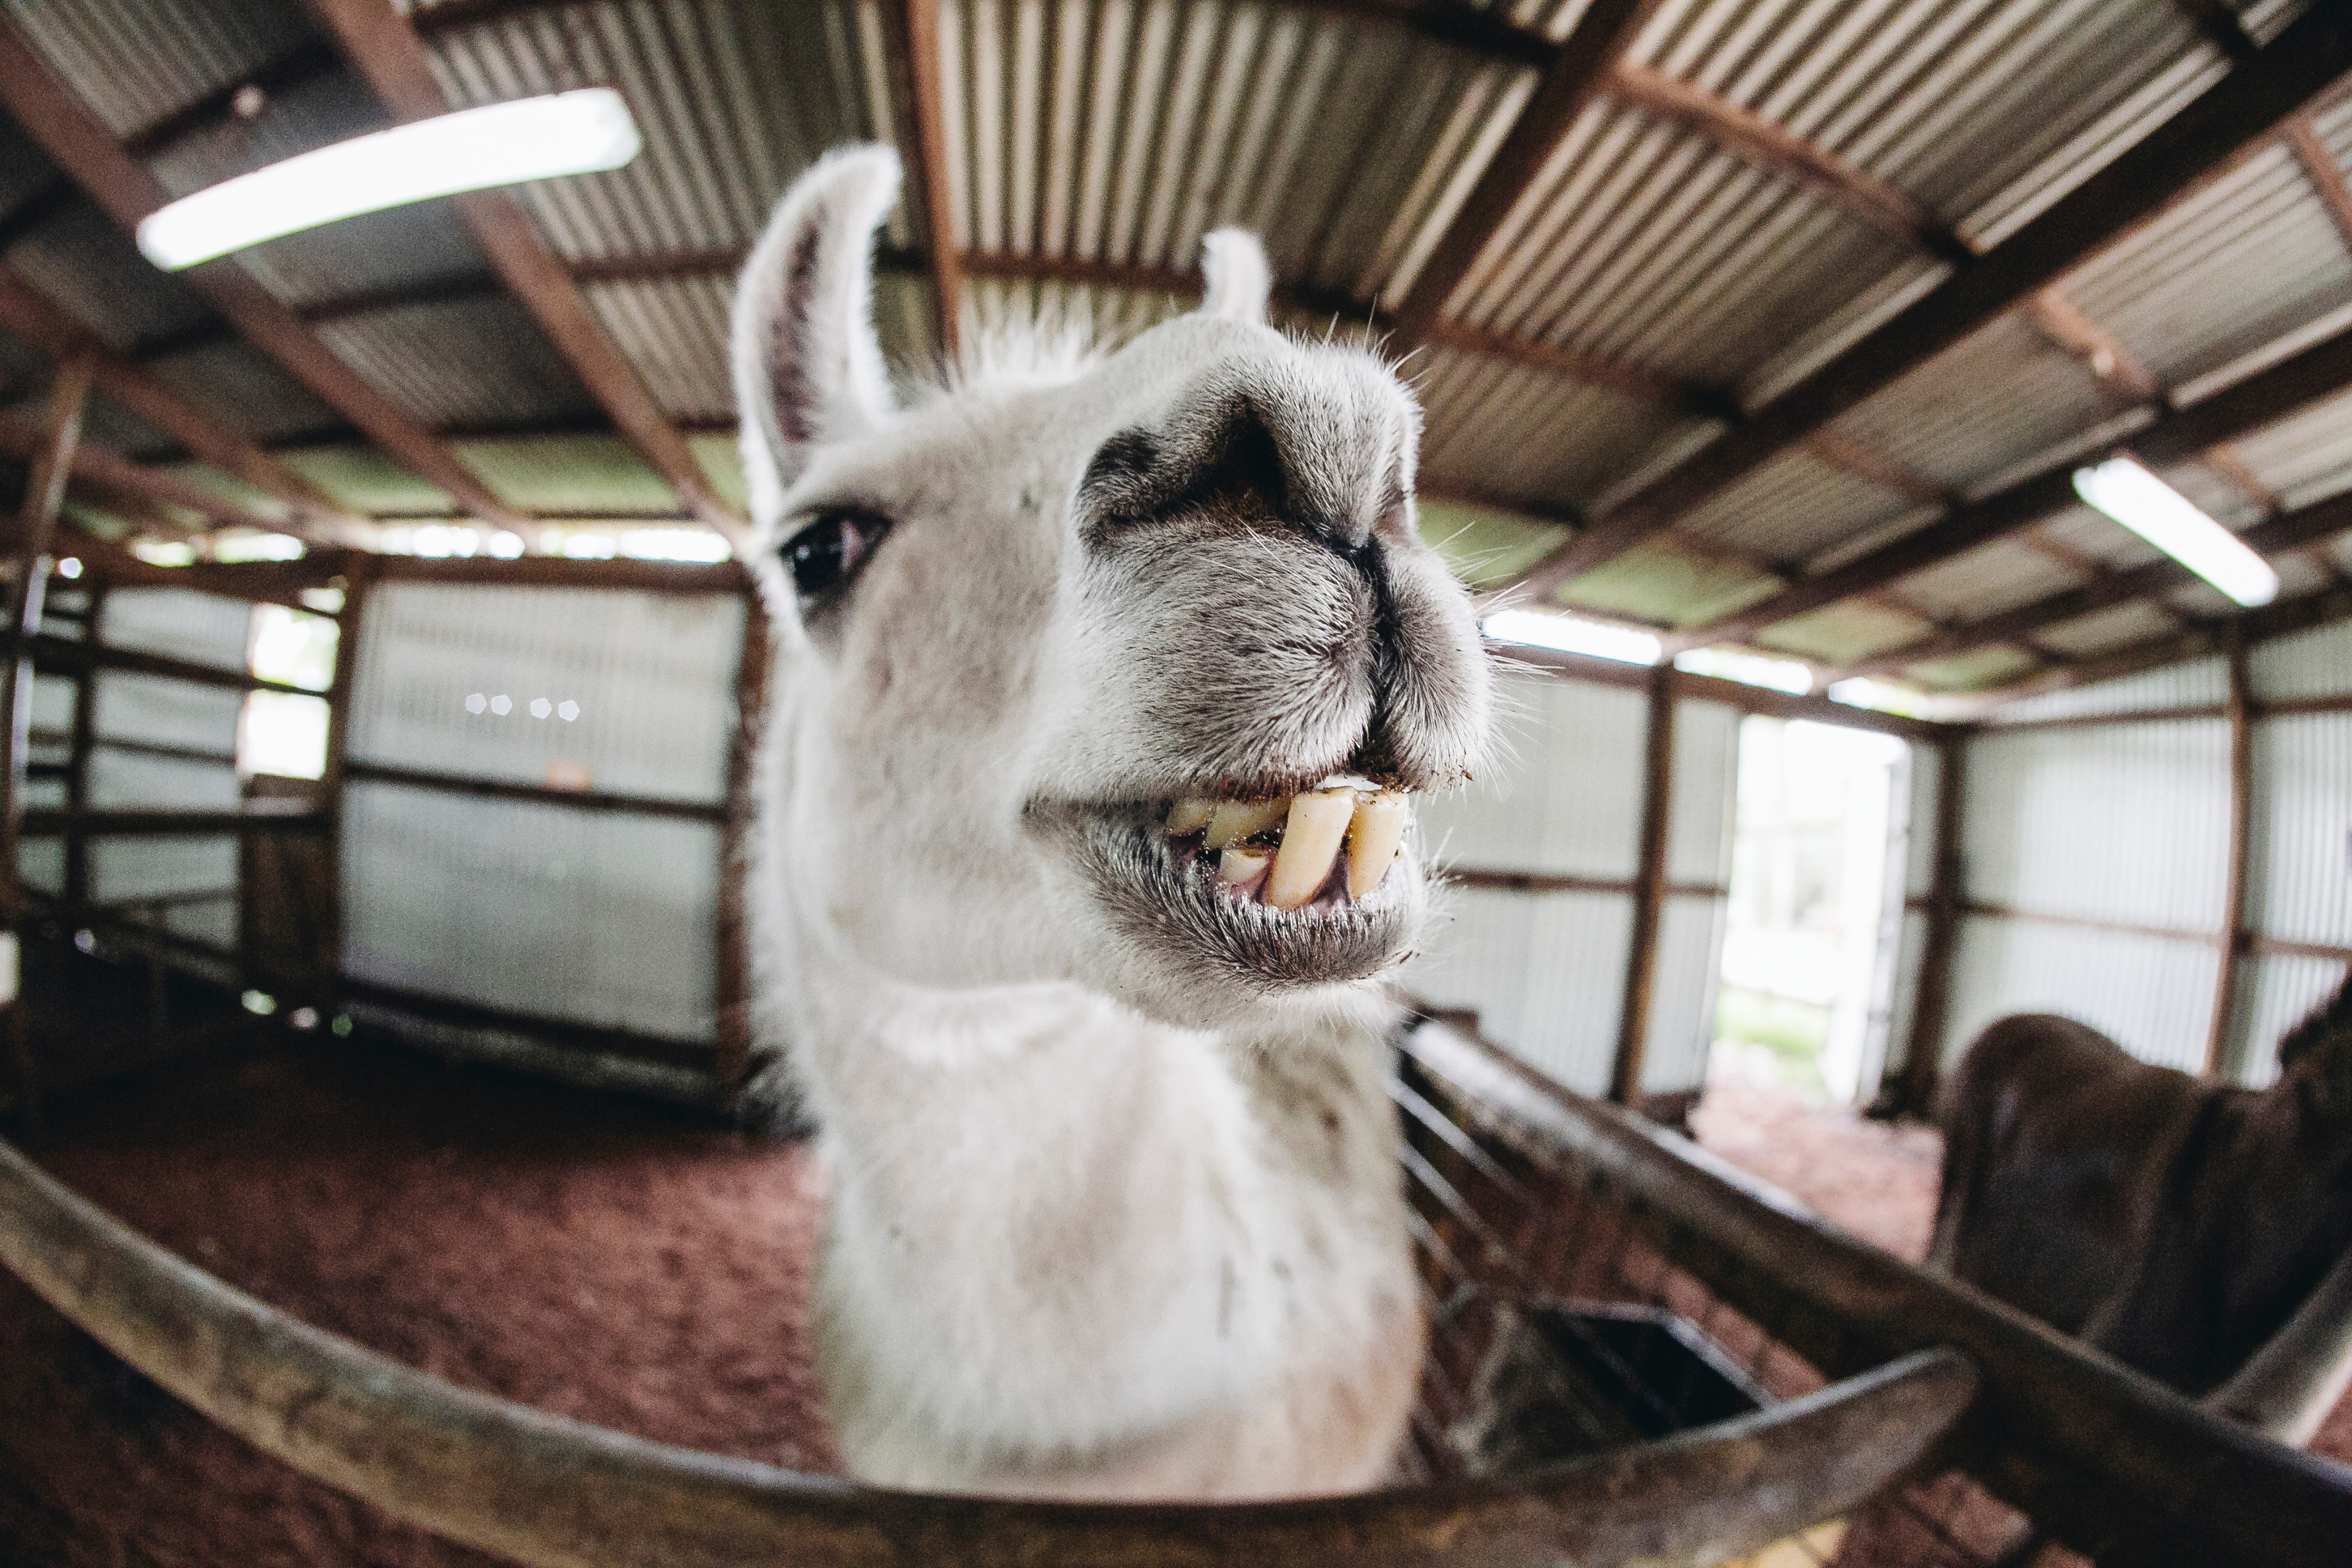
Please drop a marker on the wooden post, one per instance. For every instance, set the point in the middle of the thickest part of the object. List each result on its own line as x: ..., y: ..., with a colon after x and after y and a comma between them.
x: 1649, y: 892
x: 45, y: 493
x: 358, y: 583
x: 2232, y: 938
x: 1914, y: 1093
x: 734, y: 976
x: 76, y: 883
x: 915, y: 26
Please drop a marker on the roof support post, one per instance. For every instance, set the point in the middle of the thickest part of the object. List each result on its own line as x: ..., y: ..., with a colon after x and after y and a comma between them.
x: 1649, y: 892
x: 2232, y: 939
x: 913, y: 26
x: 1914, y: 1092
x: 733, y: 978
x: 45, y: 493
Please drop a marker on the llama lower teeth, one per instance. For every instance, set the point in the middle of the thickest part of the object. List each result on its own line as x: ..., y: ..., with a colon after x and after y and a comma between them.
x: 1310, y: 842
x: 1243, y: 867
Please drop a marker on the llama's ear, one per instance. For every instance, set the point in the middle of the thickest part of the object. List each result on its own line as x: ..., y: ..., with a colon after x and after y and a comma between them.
x: 807, y: 367
x: 1239, y: 278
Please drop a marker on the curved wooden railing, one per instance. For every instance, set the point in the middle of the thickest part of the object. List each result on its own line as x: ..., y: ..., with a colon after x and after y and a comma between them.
x: 2092, y: 1451
x: 549, y: 1490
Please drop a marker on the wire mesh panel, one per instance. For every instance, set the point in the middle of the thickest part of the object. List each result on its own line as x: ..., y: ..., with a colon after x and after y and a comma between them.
x: 1639, y: 1258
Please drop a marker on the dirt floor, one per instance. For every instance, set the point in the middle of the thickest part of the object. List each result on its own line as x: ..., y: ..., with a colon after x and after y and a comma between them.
x: 624, y: 1264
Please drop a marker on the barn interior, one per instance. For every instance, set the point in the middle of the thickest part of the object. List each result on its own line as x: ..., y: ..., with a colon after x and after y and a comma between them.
x: 387, y: 679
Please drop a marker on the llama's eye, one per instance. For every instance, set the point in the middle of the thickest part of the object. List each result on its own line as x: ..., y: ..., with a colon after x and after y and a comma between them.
x: 824, y: 556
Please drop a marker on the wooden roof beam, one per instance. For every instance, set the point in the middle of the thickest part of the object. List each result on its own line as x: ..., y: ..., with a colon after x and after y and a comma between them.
x: 1577, y: 74
x: 913, y: 29
x: 2191, y: 147
x: 119, y: 475
x: 385, y: 50
x: 74, y: 139
x: 1773, y: 146
x: 25, y: 312
x: 2173, y: 436
x: 2316, y: 524
x: 2326, y: 180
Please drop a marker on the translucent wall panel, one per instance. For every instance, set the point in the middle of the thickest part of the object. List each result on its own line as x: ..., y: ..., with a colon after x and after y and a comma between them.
x: 129, y: 706
x: 2275, y: 993
x: 599, y: 918
x: 2299, y: 846
x: 137, y: 780
x: 1706, y: 773
x: 2152, y: 995
x: 2125, y: 823
x: 1563, y: 796
x: 178, y: 623
x: 2317, y: 663
x: 1681, y: 995
x: 1542, y: 971
x: 53, y: 714
x: 653, y: 677
x: 2201, y: 683
x: 41, y: 863
x: 1926, y: 779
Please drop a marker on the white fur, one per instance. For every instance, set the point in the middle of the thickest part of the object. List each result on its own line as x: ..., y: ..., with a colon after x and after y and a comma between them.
x: 1107, y: 1219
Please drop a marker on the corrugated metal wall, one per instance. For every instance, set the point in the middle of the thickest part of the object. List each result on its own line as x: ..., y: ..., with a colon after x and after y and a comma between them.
x: 2097, y: 858
x: 1546, y: 970
x: 601, y: 917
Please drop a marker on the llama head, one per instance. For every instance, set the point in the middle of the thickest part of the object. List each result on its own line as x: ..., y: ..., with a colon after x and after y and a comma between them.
x: 1025, y: 619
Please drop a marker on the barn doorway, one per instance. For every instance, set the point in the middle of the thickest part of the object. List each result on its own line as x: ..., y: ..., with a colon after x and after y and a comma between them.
x: 1815, y: 909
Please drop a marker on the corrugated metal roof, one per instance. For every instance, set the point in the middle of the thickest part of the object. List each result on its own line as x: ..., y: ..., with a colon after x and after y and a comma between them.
x: 1973, y: 109
x: 567, y: 474
x: 509, y: 376
x: 1941, y: 422
x: 1794, y: 506
x: 1494, y: 426
x: 733, y: 101
x: 1987, y: 580
x: 136, y: 61
x: 2120, y: 627
x: 1644, y: 242
x: 1667, y: 583
x: 1853, y: 630
x: 92, y: 271
x: 2307, y: 457
x: 242, y: 389
x: 2245, y: 261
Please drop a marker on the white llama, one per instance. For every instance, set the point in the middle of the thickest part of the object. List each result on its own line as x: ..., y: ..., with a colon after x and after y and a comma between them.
x: 1100, y: 685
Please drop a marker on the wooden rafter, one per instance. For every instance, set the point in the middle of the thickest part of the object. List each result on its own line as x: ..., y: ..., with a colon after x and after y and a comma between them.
x: 380, y: 43
x: 914, y: 32
x: 2189, y: 148
x: 117, y: 476
x: 1773, y: 146
x: 2315, y: 524
x: 2171, y: 437
x: 1575, y: 76
x: 25, y: 313
x: 89, y: 154
x: 2326, y: 179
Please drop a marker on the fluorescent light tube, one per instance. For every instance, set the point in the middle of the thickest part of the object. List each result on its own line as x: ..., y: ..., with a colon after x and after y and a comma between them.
x: 573, y: 133
x: 1572, y: 634
x: 2127, y: 492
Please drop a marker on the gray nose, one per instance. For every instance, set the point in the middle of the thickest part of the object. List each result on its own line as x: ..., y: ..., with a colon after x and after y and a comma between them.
x: 1322, y: 446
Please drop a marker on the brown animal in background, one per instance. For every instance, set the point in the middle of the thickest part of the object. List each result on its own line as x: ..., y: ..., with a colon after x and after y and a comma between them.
x: 2174, y: 1223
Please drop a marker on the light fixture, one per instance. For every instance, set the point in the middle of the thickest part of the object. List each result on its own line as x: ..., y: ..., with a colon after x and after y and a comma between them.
x: 2127, y: 492
x: 1571, y: 634
x: 575, y: 132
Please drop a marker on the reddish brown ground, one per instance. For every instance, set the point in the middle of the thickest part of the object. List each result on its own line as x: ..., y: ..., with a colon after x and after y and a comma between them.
x: 624, y: 1264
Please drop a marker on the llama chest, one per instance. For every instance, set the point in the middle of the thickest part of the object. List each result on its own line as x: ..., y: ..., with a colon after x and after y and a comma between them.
x: 1087, y: 1239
